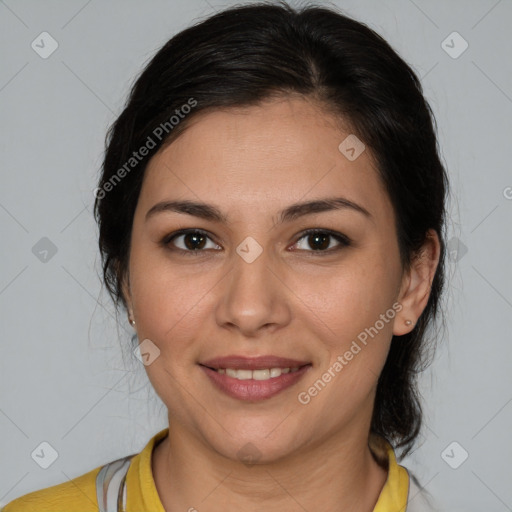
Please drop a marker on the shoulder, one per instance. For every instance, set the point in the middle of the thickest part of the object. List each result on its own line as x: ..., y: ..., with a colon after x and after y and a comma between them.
x: 77, y: 495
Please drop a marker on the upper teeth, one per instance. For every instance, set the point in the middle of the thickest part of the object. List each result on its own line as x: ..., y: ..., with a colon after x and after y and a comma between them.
x: 255, y: 374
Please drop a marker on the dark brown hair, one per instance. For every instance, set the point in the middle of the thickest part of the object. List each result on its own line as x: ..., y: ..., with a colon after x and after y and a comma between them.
x: 246, y: 54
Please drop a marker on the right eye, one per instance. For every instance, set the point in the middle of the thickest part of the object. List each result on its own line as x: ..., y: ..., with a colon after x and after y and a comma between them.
x: 193, y: 241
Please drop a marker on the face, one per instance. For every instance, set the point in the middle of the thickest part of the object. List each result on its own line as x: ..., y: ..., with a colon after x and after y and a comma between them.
x: 252, y: 282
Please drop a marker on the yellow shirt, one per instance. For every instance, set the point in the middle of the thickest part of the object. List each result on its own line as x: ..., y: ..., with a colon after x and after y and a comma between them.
x: 79, y: 494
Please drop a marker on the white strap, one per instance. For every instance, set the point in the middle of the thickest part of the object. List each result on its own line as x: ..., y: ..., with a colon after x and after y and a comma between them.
x: 108, y: 484
x: 417, y: 499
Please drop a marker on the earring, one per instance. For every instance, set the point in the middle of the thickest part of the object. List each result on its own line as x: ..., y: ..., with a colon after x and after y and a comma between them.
x: 408, y: 322
x: 132, y: 321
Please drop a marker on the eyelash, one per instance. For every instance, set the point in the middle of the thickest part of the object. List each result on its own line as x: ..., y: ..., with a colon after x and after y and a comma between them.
x: 342, y: 239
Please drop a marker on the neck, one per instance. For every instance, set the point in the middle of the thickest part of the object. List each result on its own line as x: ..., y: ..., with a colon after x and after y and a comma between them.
x: 338, y: 473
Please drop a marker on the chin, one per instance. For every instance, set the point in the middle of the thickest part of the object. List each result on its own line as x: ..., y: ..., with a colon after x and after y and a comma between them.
x: 257, y: 444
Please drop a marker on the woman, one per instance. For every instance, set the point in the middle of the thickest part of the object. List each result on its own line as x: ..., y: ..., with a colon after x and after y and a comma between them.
x: 271, y: 214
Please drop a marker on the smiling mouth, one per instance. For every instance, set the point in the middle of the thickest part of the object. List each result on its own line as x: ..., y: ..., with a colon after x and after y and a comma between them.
x: 254, y: 385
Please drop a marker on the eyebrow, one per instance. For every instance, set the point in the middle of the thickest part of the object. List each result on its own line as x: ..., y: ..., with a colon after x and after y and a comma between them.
x: 292, y: 212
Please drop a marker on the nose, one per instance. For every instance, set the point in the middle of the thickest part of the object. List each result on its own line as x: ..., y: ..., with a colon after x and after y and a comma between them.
x: 253, y: 296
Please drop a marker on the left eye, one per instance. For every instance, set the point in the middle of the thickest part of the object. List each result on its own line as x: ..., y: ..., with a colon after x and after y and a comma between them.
x: 319, y: 240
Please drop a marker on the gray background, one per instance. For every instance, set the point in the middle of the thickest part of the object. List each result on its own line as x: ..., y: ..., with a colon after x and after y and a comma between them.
x: 64, y: 377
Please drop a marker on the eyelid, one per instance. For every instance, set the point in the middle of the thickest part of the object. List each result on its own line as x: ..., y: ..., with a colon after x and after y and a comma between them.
x: 334, y: 234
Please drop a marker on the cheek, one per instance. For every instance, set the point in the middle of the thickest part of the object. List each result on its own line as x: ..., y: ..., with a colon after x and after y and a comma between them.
x: 344, y: 301
x: 350, y: 310
x: 169, y: 306
x: 169, y: 300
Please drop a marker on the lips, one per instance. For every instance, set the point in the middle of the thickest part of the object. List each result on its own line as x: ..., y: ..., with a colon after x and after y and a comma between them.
x: 253, y: 363
x: 256, y: 378
x: 252, y: 389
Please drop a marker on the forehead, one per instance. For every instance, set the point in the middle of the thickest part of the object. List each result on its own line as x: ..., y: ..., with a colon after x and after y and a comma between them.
x: 276, y: 153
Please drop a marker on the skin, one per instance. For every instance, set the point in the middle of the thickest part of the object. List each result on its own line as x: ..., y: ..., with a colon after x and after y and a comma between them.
x: 292, y: 301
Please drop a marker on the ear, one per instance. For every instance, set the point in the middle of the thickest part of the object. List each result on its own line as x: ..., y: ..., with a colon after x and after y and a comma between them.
x: 417, y: 283
x: 125, y: 288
